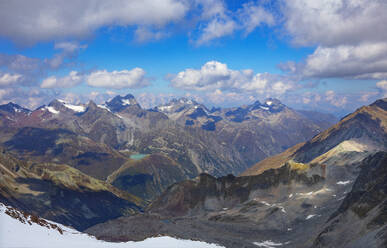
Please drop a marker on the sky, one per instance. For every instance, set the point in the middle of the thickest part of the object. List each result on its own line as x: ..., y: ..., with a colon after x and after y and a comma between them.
x: 327, y: 55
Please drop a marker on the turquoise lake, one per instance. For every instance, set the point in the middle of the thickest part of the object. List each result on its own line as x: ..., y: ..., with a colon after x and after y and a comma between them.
x: 138, y: 156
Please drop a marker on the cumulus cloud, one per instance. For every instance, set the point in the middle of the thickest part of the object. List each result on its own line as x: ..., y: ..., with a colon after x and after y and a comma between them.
x: 214, y: 75
x: 7, y: 79
x: 252, y: 15
x: 71, y: 80
x: 382, y: 86
x: 335, y: 22
x: 350, y: 36
x: 132, y: 79
x: 218, y: 21
x: 216, y: 28
x: 366, y: 61
x: 35, y: 21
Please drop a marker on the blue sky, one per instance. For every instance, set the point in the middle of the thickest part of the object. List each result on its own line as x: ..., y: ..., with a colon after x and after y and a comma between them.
x: 328, y: 55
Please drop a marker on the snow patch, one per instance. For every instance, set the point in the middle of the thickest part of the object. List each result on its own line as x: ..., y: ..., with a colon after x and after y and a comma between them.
x: 274, y: 205
x: 343, y: 182
x: 125, y: 101
x: 17, y: 234
x: 264, y: 108
x: 269, y: 244
x: 104, y: 107
x: 269, y: 103
x: 165, y: 108
x: 310, y: 216
x: 51, y: 109
x: 76, y: 108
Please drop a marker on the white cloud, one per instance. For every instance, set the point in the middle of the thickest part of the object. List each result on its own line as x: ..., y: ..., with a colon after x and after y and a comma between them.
x: 335, y: 22
x: 71, y: 80
x: 350, y: 36
x: 69, y: 50
x: 216, y: 28
x: 7, y: 79
x: 382, y: 86
x: 252, y: 15
x: 134, y: 78
x: 362, y: 61
x: 70, y: 47
x: 220, y: 22
x: 143, y: 34
x: 28, y: 22
x: 214, y: 75
x: 334, y: 99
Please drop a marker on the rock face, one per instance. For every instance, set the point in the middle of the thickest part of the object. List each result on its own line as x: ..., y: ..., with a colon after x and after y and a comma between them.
x: 361, y: 220
x: 61, y: 193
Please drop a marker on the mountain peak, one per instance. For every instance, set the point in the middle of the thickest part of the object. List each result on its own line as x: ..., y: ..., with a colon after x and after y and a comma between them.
x: 14, y: 108
x: 178, y: 105
x: 119, y: 103
x: 273, y: 105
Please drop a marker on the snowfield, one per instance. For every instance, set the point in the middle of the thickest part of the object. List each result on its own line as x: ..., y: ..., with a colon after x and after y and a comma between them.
x: 15, y: 234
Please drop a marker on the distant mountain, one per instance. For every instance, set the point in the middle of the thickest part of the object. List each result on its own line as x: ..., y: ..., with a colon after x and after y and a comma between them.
x: 322, y: 120
x: 257, y: 131
x: 119, y: 103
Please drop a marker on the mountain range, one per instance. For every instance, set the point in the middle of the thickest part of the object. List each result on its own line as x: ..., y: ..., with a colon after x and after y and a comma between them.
x: 185, y: 136
x: 248, y: 176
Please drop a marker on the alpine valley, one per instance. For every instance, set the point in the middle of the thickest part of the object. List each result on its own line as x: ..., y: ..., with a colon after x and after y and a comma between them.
x: 258, y: 175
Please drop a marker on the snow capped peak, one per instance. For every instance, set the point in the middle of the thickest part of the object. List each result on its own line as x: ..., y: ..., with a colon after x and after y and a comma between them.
x: 119, y: 103
x: 269, y: 103
x: 14, y: 108
x: 59, y: 102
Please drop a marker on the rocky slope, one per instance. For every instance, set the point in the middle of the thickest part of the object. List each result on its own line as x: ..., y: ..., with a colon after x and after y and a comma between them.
x: 61, y: 193
x: 292, y: 206
x: 148, y: 177
x: 352, y: 139
x: 361, y: 220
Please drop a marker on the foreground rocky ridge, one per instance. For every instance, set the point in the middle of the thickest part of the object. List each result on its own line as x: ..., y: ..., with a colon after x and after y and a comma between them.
x: 290, y: 206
